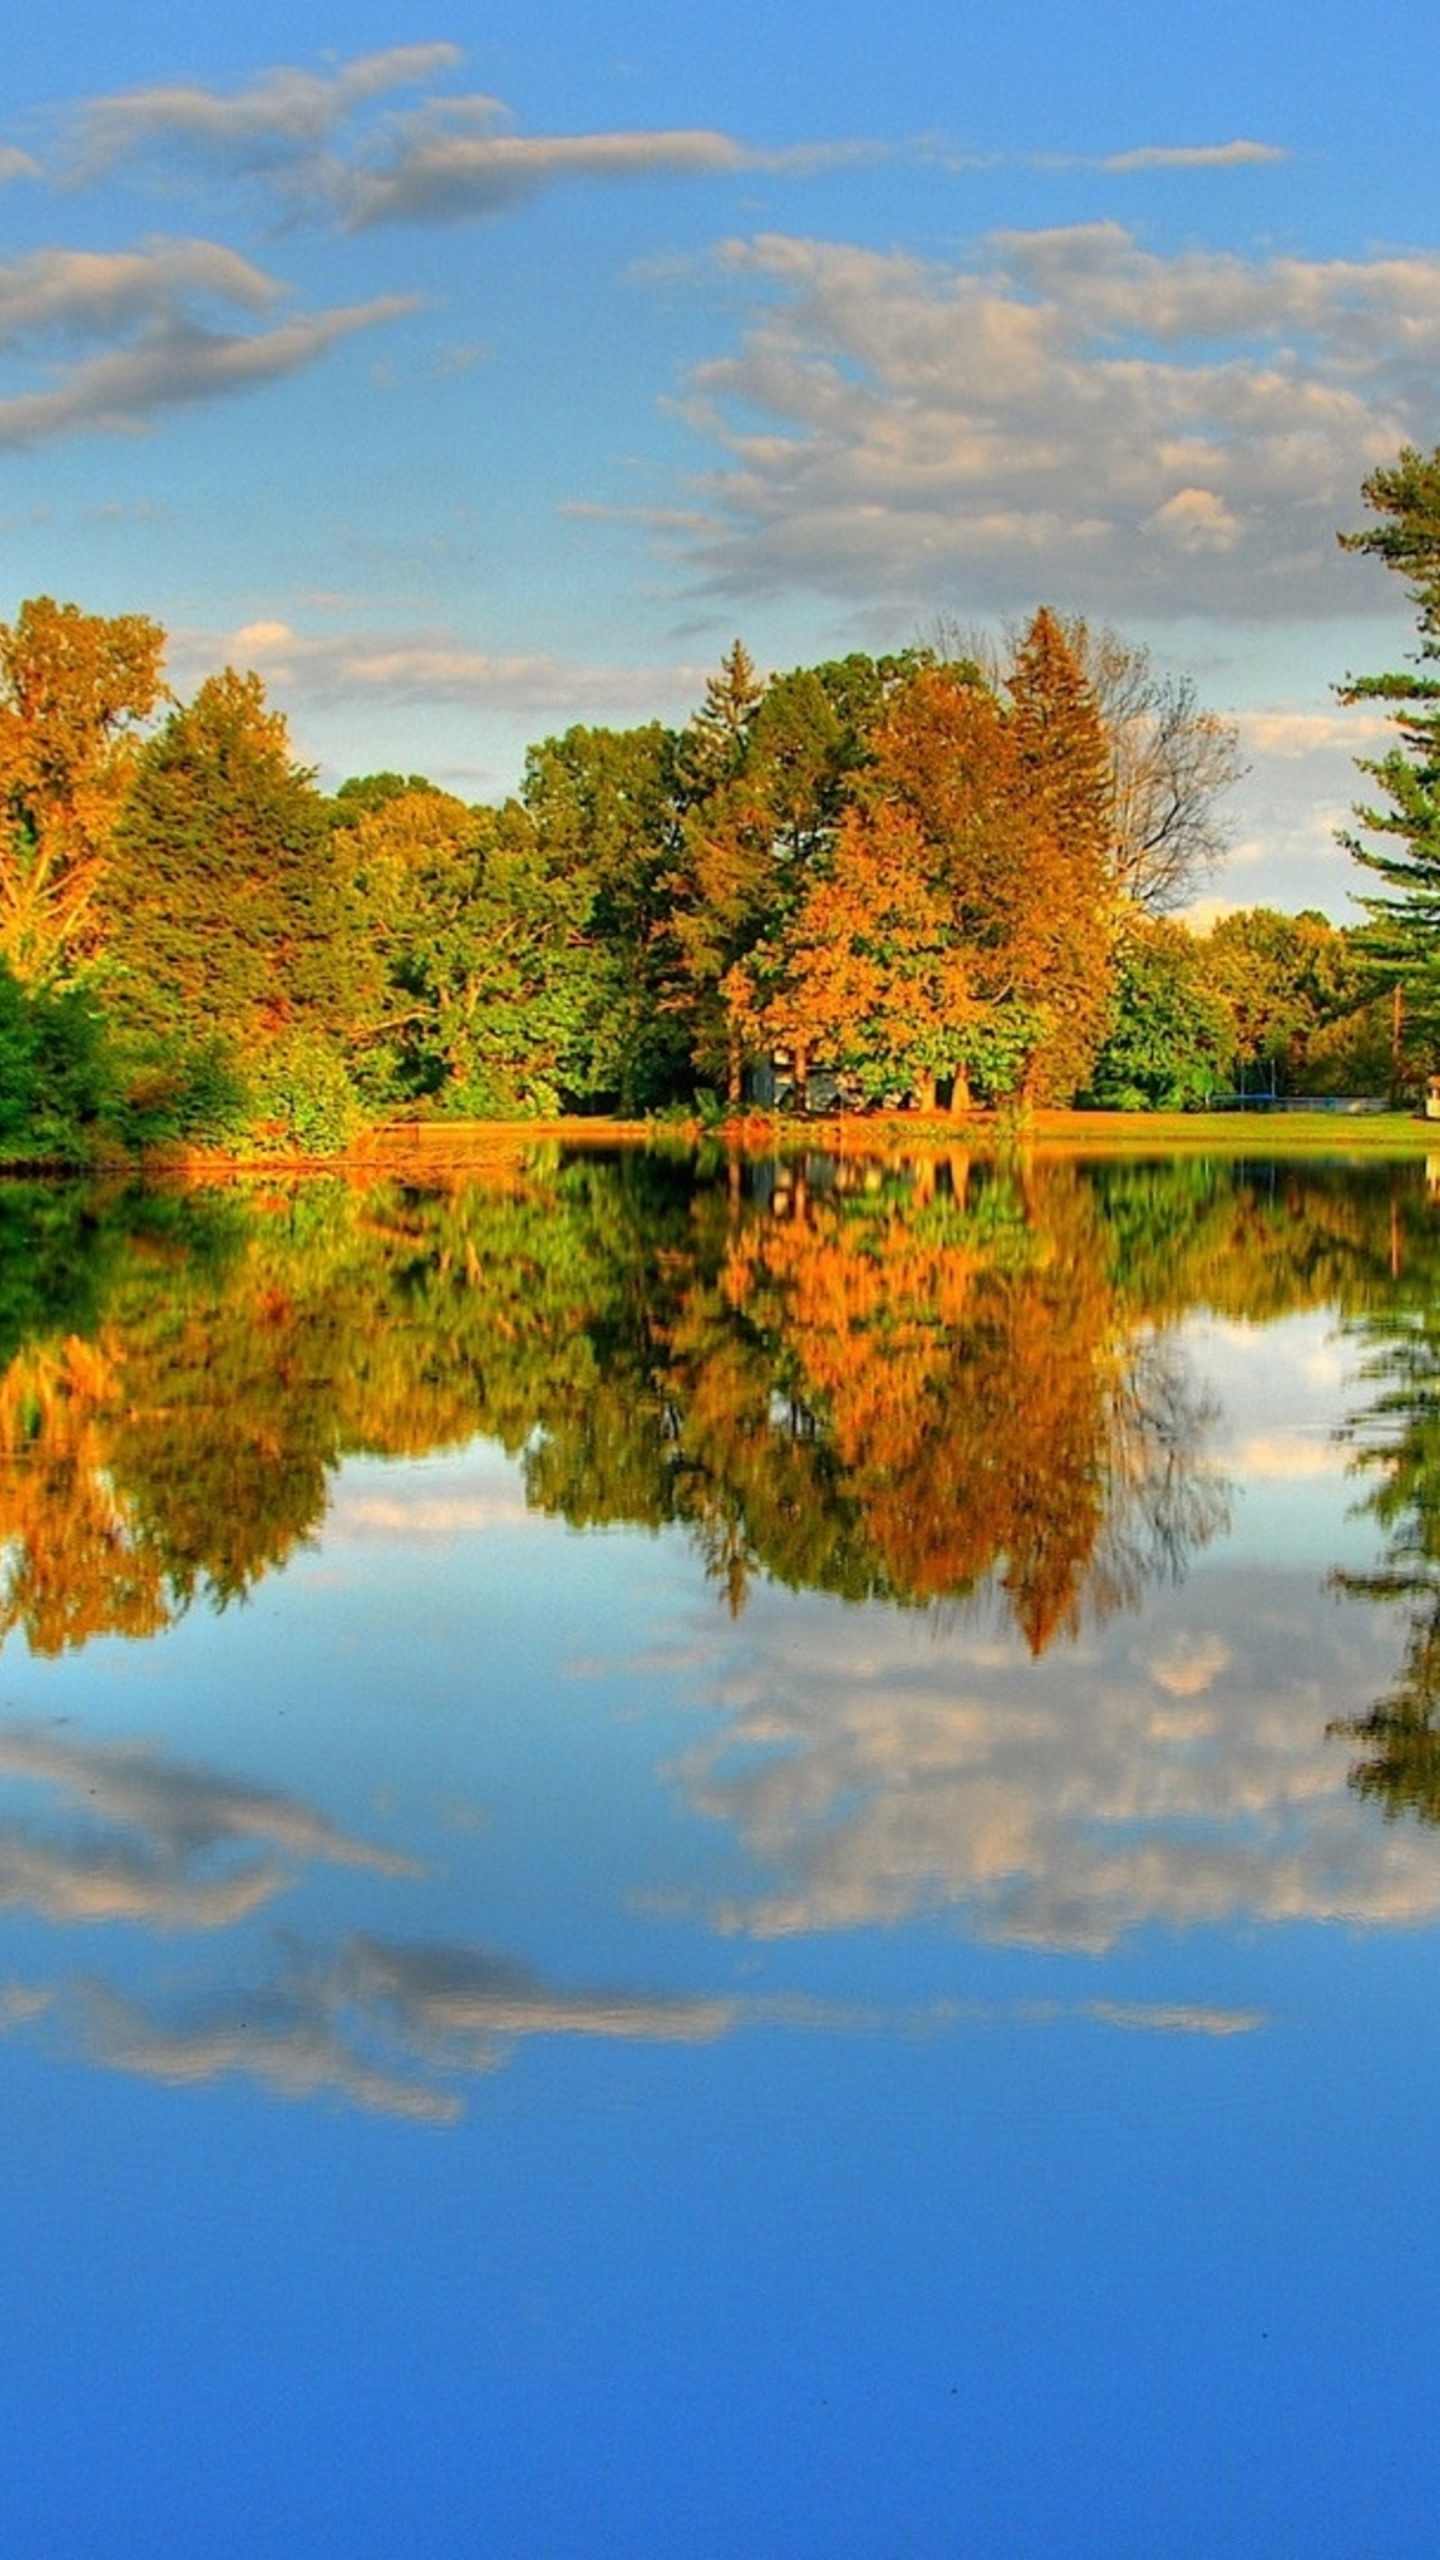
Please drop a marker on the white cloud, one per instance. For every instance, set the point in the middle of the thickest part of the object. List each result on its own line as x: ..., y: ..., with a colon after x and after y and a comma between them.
x: 436, y: 666
x: 436, y: 1521
x: 1179, y: 2018
x: 153, y: 310
x: 183, y: 1809
x: 279, y: 118
x: 1197, y: 520
x: 1065, y: 413
x: 109, y: 1879
x: 78, y: 292
x: 460, y: 1995
x: 294, y: 2050
x: 1194, y: 155
x: 317, y: 139
x: 1287, y: 1457
x: 440, y: 176
x: 20, y: 2002
x: 1190, y: 1664
x: 1305, y: 733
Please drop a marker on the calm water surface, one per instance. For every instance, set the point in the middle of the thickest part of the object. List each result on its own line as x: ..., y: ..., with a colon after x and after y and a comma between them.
x: 725, y: 1860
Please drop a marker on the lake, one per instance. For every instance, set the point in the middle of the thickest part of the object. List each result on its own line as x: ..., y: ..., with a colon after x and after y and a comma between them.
x: 722, y: 1858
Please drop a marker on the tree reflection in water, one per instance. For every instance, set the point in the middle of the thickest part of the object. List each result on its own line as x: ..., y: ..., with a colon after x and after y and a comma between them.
x: 917, y: 1382
x: 1397, y: 1449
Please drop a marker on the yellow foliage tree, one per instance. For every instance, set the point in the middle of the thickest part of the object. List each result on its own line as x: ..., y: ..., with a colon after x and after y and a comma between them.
x: 75, y: 690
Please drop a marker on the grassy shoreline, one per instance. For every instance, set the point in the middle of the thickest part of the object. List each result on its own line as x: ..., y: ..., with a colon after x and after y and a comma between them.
x: 455, y: 1146
x: 1238, y: 1133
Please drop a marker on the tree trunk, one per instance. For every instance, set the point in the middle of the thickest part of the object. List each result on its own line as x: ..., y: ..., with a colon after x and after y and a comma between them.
x: 961, y: 1098
x: 925, y: 1092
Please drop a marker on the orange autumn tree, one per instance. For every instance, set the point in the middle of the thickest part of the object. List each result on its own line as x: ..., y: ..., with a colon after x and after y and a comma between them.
x: 1070, y: 909
x: 763, y: 775
x: 74, y: 1565
x: 962, y: 926
x: 979, y: 1402
x: 868, y: 976
x: 75, y: 691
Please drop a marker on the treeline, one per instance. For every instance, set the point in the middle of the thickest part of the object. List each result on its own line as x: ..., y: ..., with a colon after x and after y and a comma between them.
x: 921, y: 879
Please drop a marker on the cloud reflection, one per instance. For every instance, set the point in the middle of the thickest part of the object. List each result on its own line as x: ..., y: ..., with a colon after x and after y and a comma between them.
x: 1185, y: 2018
x: 384, y: 2027
x: 377, y: 2025
x: 448, y: 1997
x: 164, y: 1820
x: 293, y: 2049
x: 20, y: 2002
x: 1064, y: 1803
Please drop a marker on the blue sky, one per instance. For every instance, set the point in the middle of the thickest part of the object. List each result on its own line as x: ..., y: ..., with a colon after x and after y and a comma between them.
x: 471, y: 374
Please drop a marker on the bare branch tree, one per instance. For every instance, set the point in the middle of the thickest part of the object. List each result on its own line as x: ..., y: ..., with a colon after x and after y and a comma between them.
x: 1171, y: 765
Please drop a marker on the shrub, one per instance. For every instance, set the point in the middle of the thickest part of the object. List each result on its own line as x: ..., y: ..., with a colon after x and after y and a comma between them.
x: 301, y: 1097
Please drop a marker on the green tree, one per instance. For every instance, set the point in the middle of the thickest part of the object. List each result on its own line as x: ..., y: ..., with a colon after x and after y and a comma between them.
x: 1170, y: 1040
x: 720, y: 892
x: 17, y: 1064
x: 1399, y: 837
x: 714, y: 744
x: 60, y: 1091
x: 412, y: 857
x: 523, y: 989
x: 604, y: 807
x: 226, y: 905
x: 1283, y: 981
x: 763, y: 779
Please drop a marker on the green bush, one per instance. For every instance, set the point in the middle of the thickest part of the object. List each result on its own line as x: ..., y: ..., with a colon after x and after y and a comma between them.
x: 301, y: 1097
x: 177, y: 1092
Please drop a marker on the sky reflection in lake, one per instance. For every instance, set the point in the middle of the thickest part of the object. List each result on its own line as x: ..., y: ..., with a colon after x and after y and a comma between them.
x: 745, y: 1869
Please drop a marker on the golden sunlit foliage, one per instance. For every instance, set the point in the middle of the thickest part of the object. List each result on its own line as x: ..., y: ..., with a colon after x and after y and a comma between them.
x: 961, y: 926
x: 75, y: 690
x: 921, y: 1384
x: 906, y: 881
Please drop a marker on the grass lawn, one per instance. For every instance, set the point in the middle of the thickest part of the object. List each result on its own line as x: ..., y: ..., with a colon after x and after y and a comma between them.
x: 455, y: 1148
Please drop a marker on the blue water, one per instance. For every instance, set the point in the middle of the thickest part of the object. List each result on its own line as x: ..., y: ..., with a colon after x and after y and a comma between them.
x: 502, y: 2055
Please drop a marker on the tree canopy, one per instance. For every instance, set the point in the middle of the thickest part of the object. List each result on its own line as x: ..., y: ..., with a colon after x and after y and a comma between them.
x: 909, y: 876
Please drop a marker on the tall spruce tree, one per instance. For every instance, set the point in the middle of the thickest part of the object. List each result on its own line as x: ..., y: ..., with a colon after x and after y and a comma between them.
x: 1400, y: 842
x: 1065, y: 939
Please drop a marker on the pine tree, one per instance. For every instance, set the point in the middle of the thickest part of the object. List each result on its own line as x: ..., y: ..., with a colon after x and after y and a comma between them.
x: 1400, y: 842
x: 715, y: 740
x: 1062, y: 757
